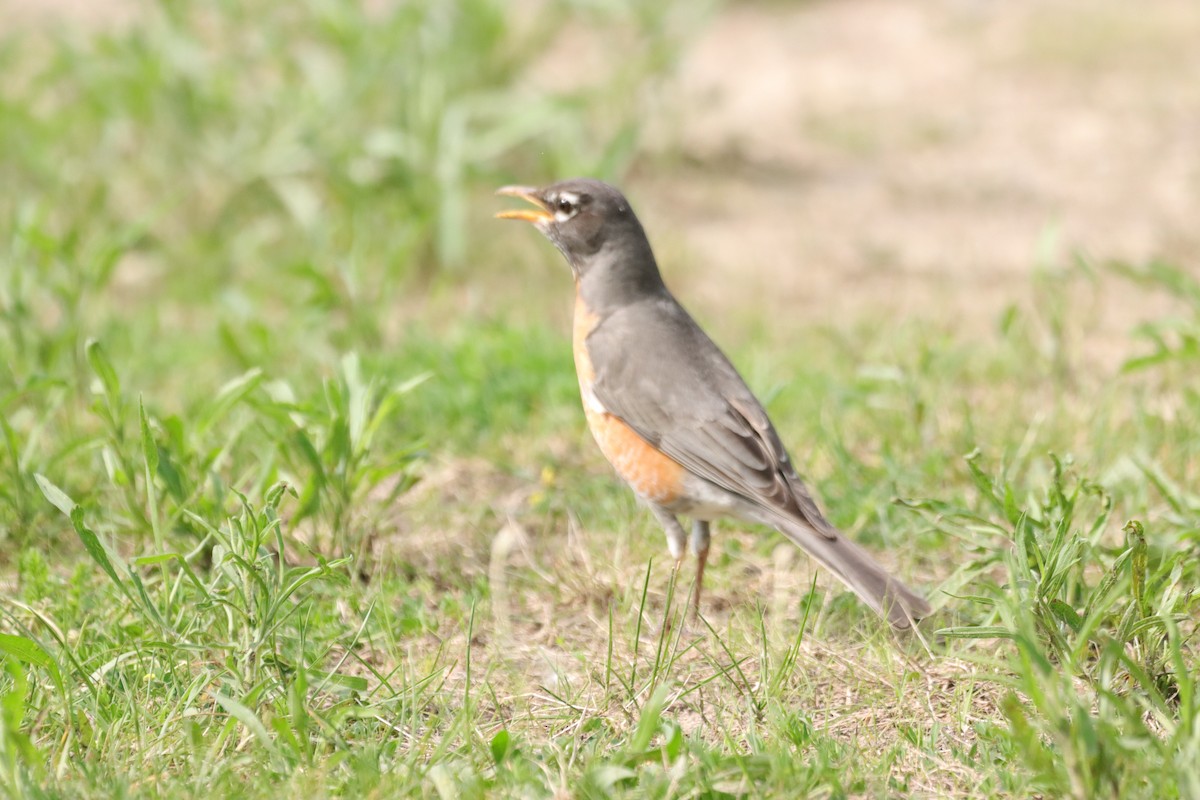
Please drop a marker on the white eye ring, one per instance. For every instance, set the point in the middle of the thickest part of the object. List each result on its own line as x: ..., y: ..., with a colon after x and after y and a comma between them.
x: 565, y: 207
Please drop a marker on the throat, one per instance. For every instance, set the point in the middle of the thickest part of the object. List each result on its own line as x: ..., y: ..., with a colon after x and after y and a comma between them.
x: 616, y: 278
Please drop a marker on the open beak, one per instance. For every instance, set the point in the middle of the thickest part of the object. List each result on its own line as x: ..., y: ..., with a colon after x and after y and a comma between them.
x: 529, y: 194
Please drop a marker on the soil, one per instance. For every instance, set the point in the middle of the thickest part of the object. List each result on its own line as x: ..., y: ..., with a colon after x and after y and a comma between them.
x: 856, y: 157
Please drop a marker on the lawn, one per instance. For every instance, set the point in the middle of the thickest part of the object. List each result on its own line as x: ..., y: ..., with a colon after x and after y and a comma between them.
x: 296, y: 497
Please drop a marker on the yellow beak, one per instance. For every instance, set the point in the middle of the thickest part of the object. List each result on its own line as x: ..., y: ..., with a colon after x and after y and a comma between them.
x: 530, y: 195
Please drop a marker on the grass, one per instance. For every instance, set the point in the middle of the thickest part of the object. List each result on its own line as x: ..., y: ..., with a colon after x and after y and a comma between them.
x: 286, y: 509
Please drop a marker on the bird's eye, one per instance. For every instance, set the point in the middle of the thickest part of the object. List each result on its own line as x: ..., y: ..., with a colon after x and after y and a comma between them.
x: 566, y: 205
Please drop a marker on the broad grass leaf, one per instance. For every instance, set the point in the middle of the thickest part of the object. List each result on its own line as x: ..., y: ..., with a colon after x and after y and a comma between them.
x: 57, y: 497
x: 103, y: 368
x: 26, y: 650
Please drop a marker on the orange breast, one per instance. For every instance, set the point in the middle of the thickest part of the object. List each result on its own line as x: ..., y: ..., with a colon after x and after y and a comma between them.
x: 651, y: 474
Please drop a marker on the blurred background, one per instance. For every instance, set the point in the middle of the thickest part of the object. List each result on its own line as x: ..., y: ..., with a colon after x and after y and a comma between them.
x: 256, y: 315
x: 836, y: 157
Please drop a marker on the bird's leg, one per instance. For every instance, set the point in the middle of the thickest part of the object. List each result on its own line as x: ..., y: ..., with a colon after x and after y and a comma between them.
x: 700, y: 542
x: 676, y: 536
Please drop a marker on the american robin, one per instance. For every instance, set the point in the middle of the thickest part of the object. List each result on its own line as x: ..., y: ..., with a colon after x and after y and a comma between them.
x: 667, y: 407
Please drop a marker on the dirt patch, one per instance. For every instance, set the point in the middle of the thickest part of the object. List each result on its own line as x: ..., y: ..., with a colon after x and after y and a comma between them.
x: 924, y: 159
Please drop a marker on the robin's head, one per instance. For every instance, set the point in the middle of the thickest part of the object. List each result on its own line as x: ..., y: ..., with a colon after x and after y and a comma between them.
x: 589, y: 221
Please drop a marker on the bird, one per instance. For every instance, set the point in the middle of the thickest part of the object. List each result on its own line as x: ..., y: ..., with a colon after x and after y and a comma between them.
x: 669, y: 410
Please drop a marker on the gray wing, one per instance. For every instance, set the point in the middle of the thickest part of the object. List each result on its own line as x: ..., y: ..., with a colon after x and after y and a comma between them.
x: 682, y: 395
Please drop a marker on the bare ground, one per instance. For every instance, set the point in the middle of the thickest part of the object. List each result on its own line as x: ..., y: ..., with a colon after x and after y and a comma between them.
x: 924, y: 159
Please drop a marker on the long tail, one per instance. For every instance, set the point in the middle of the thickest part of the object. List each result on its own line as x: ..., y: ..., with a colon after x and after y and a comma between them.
x: 855, y: 567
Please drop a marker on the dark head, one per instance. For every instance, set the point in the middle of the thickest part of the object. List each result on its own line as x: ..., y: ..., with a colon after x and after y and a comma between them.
x: 594, y: 227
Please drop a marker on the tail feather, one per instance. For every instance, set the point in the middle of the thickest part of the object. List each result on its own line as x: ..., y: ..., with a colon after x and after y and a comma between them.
x: 855, y: 567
